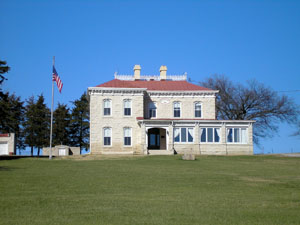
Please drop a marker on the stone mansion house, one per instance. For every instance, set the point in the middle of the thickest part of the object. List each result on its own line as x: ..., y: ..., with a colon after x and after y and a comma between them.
x: 164, y: 114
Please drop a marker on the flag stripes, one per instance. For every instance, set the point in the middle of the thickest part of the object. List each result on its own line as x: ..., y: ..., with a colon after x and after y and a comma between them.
x: 57, y: 79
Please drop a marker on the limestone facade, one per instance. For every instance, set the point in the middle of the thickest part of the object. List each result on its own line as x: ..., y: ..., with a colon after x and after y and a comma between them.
x: 113, y: 131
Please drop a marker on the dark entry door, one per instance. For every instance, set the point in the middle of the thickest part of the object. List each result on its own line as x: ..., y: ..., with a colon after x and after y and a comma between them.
x: 154, y: 138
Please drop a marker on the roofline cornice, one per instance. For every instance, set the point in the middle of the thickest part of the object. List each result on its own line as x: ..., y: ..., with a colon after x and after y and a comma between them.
x: 154, y: 93
x: 110, y: 88
x: 115, y: 91
x: 204, y: 93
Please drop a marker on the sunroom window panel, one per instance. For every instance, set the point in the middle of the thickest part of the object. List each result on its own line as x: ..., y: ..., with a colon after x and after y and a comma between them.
x: 236, y: 135
x: 190, y: 135
x: 176, y: 135
x: 217, y: 134
x: 203, y: 134
x: 244, y: 135
x: 183, y: 135
x: 229, y: 135
x: 209, y: 134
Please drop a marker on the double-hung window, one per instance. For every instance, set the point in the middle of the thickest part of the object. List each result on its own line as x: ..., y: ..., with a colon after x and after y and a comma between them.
x: 176, y: 106
x: 127, y: 136
x: 127, y: 107
x: 106, y: 107
x: 198, y: 109
x: 107, y: 136
x: 237, y: 135
x: 152, y: 109
x: 183, y: 135
x: 210, y: 134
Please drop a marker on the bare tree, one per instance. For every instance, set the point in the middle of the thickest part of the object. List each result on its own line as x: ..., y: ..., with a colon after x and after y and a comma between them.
x: 3, y: 69
x: 297, y: 133
x: 254, y: 101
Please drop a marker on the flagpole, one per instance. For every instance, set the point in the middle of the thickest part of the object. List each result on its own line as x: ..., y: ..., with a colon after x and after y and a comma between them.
x: 50, y: 154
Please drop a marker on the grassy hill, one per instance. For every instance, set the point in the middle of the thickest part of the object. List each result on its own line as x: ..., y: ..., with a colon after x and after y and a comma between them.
x: 151, y: 190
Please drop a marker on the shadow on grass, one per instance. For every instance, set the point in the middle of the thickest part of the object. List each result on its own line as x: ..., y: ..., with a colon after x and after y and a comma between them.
x: 6, y: 168
x: 14, y: 157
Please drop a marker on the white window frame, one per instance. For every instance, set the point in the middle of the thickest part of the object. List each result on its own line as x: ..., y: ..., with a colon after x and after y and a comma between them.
x: 130, y: 101
x: 195, y: 103
x: 151, y: 108
x: 179, y: 109
x: 107, y: 136
x: 187, y: 135
x: 206, y: 135
x: 110, y: 101
x: 124, y: 136
x: 240, y: 135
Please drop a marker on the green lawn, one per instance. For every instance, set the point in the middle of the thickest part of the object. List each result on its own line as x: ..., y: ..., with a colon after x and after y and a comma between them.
x: 151, y: 190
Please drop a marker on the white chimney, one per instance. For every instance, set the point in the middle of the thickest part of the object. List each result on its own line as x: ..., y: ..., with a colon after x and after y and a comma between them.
x: 137, y: 72
x: 163, y: 72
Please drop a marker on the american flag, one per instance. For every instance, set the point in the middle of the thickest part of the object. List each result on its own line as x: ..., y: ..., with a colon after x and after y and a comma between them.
x: 57, y: 79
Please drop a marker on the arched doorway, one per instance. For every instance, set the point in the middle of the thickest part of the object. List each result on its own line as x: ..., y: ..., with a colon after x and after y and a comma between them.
x: 156, y: 138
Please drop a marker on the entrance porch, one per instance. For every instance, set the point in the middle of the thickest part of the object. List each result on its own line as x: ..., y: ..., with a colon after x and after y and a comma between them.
x: 157, y: 139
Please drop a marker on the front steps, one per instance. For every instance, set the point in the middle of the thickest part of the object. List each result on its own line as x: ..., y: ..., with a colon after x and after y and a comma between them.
x: 160, y: 152
x: 117, y: 153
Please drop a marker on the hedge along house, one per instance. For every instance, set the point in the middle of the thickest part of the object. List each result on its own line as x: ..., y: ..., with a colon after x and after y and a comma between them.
x: 164, y: 114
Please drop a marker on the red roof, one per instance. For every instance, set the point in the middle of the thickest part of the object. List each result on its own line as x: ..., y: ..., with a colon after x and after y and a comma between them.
x: 165, y: 85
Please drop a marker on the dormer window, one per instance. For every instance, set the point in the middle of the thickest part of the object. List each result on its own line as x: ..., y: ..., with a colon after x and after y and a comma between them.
x: 176, y: 110
x: 198, y: 109
x: 127, y: 107
x: 152, y: 109
x: 106, y: 107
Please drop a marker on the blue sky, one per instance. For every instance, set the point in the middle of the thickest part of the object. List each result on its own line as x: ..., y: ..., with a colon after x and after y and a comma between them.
x: 93, y: 39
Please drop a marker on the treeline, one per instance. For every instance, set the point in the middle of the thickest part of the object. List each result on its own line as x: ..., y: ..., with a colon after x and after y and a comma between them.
x: 30, y: 121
